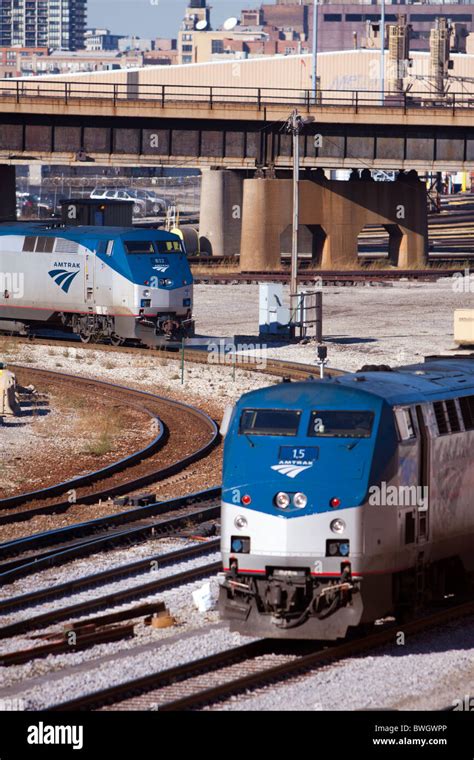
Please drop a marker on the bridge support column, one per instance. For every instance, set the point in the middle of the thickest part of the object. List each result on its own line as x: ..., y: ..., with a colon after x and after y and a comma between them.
x: 220, y: 222
x: 7, y: 193
x: 335, y: 212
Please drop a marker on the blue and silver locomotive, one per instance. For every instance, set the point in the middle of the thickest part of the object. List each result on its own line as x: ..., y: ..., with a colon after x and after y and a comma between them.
x: 348, y: 500
x: 99, y: 282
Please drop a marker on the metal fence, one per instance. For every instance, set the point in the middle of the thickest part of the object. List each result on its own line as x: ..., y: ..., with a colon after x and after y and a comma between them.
x: 120, y: 93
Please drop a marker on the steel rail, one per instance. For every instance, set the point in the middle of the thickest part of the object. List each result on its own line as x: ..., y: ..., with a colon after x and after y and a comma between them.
x: 89, y: 527
x: 88, y: 581
x: 263, y: 676
x: 126, y: 486
x: 48, y: 492
x: 14, y: 569
x: 45, y: 619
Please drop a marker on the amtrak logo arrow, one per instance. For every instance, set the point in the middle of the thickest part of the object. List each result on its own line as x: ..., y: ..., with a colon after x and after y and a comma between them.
x: 291, y: 470
x: 63, y: 278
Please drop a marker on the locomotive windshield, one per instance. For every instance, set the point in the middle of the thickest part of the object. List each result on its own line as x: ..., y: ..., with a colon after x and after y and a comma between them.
x: 152, y: 247
x: 169, y: 246
x: 139, y: 246
x: 269, y: 422
x: 340, y: 424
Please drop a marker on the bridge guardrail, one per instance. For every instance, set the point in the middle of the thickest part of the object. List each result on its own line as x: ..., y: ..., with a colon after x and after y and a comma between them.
x: 212, y: 95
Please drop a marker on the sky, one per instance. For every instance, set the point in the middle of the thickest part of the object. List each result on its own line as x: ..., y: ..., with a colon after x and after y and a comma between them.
x: 153, y: 18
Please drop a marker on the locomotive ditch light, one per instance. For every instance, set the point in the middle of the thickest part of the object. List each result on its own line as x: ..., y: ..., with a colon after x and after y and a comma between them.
x: 240, y: 522
x: 335, y: 502
x: 282, y: 500
x: 246, y: 500
x: 300, y: 500
x: 146, y: 294
x: 338, y: 526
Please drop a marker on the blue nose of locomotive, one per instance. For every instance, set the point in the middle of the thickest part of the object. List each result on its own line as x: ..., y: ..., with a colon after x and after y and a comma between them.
x: 299, y: 449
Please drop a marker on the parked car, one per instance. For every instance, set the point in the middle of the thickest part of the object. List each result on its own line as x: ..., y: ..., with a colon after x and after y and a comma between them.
x: 154, y: 204
x: 30, y: 205
x: 104, y: 194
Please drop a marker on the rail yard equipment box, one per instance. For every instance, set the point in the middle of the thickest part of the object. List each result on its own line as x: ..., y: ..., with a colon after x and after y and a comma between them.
x: 464, y: 327
x: 97, y: 213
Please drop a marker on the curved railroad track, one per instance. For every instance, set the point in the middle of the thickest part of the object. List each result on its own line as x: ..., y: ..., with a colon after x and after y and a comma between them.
x: 185, y: 435
x: 274, y: 367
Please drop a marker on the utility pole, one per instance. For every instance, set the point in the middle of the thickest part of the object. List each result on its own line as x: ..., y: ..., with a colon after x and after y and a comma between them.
x: 382, y: 54
x: 295, y: 125
x: 295, y: 128
x: 315, y: 48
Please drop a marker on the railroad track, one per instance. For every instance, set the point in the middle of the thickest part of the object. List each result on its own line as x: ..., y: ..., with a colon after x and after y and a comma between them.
x: 92, y: 604
x: 274, y: 367
x: 308, y: 276
x: 209, y: 680
x: 30, y: 554
x: 174, y: 420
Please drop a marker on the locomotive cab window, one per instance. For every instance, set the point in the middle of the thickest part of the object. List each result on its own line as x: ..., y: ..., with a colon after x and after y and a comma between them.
x: 169, y: 246
x: 405, y: 426
x: 105, y: 247
x: 340, y: 424
x: 139, y: 246
x: 269, y: 422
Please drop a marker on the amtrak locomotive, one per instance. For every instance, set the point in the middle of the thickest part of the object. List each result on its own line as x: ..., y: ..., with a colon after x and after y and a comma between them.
x: 348, y: 500
x: 99, y: 282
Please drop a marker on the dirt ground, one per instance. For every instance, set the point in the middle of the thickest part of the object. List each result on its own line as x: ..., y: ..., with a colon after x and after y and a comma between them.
x: 394, y: 323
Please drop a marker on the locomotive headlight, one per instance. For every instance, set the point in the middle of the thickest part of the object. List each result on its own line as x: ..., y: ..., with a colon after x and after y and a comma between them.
x: 338, y: 526
x: 282, y: 500
x: 240, y: 522
x: 300, y: 500
x: 146, y: 294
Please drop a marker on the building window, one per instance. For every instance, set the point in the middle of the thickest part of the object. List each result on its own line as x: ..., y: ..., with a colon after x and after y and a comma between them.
x: 333, y: 17
x: 187, y: 48
x: 217, y: 46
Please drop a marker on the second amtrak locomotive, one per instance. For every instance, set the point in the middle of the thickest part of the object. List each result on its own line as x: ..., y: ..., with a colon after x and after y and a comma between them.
x: 348, y: 500
x: 115, y: 283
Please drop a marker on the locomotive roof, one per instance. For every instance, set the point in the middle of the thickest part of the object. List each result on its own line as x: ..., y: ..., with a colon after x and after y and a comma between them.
x: 79, y: 232
x: 434, y: 379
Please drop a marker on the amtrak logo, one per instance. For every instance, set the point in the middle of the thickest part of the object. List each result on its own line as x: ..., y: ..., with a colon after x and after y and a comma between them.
x: 63, y: 278
x: 161, y: 268
x: 291, y: 470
